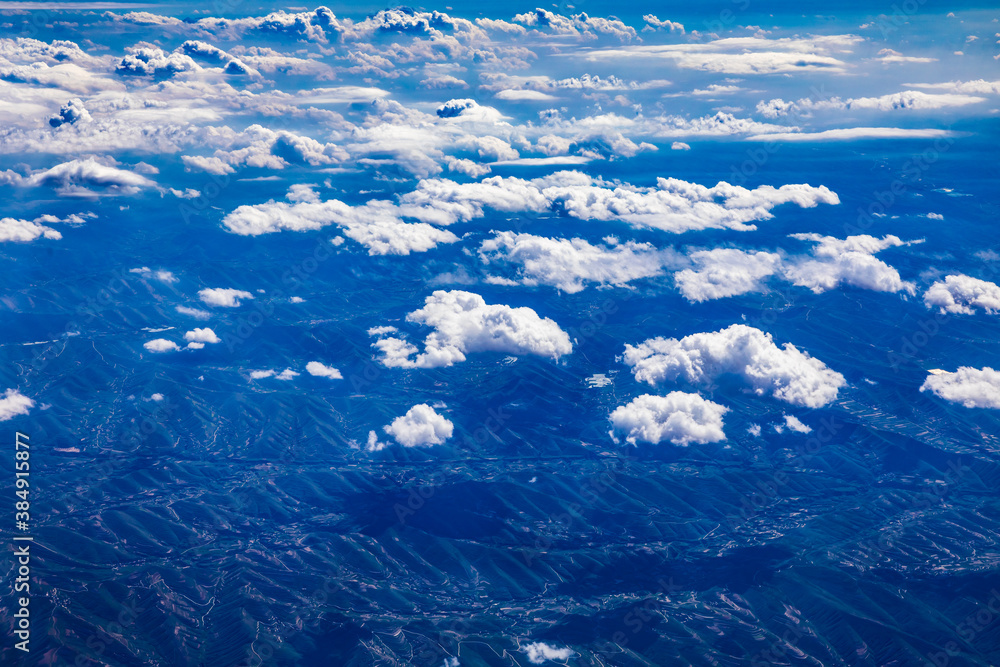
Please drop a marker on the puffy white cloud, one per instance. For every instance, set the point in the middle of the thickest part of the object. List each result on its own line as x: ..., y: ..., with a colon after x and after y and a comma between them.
x: 302, y: 192
x: 490, y: 148
x: 72, y: 111
x: 569, y: 264
x: 467, y: 167
x: 261, y: 147
x: 443, y: 81
x: 159, y: 345
x: 725, y: 272
x: 673, y: 205
x: 787, y: 373
x: 14, y: 403
x: 679, y: 146
x: 578, y: 24
x: 23, y: 231
x: 721, y: 124
x: 678, y: 206
x: 229, y: 63
x: 211, y: 165
x: 29, y: 50
x: 963, y: 294
x: 795, y: 424
x: 678, y: 417
x: 466, y: 109
x: 376, y: 225
x: 463, y: 323
x: 317, y: 26
x: 322, y: 370
x: 421, y: 426
x: 498, y: 25
x: 540, y: 652
x: 147, y: 61
x: 77, y: 176
x: 653, y: 23
x: 848, y: 261
x: 224, y: 297
x: 197, y: 338
x: 971, y: 387
x: 775, y: 108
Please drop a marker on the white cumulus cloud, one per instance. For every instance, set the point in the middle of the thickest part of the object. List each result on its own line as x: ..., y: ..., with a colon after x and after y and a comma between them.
x: 14, y: 403
x: 672, y: 205
x: 725, y: 272
x: 23, y: 231
x: 463, y: 323
x: 322, y: 370
x: 963, y: 294
x: 161, y: 345
x: 785, y: 372
x: 971, y: 387
x: 223, y: 297
x: 376, y: 225
x: 795, y: 424
x: 679, y: 417
x: 197, y: 338
x: 848, y: 261
x: 421, y: 426
x: 540, y: 652
x: 569, y: 264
